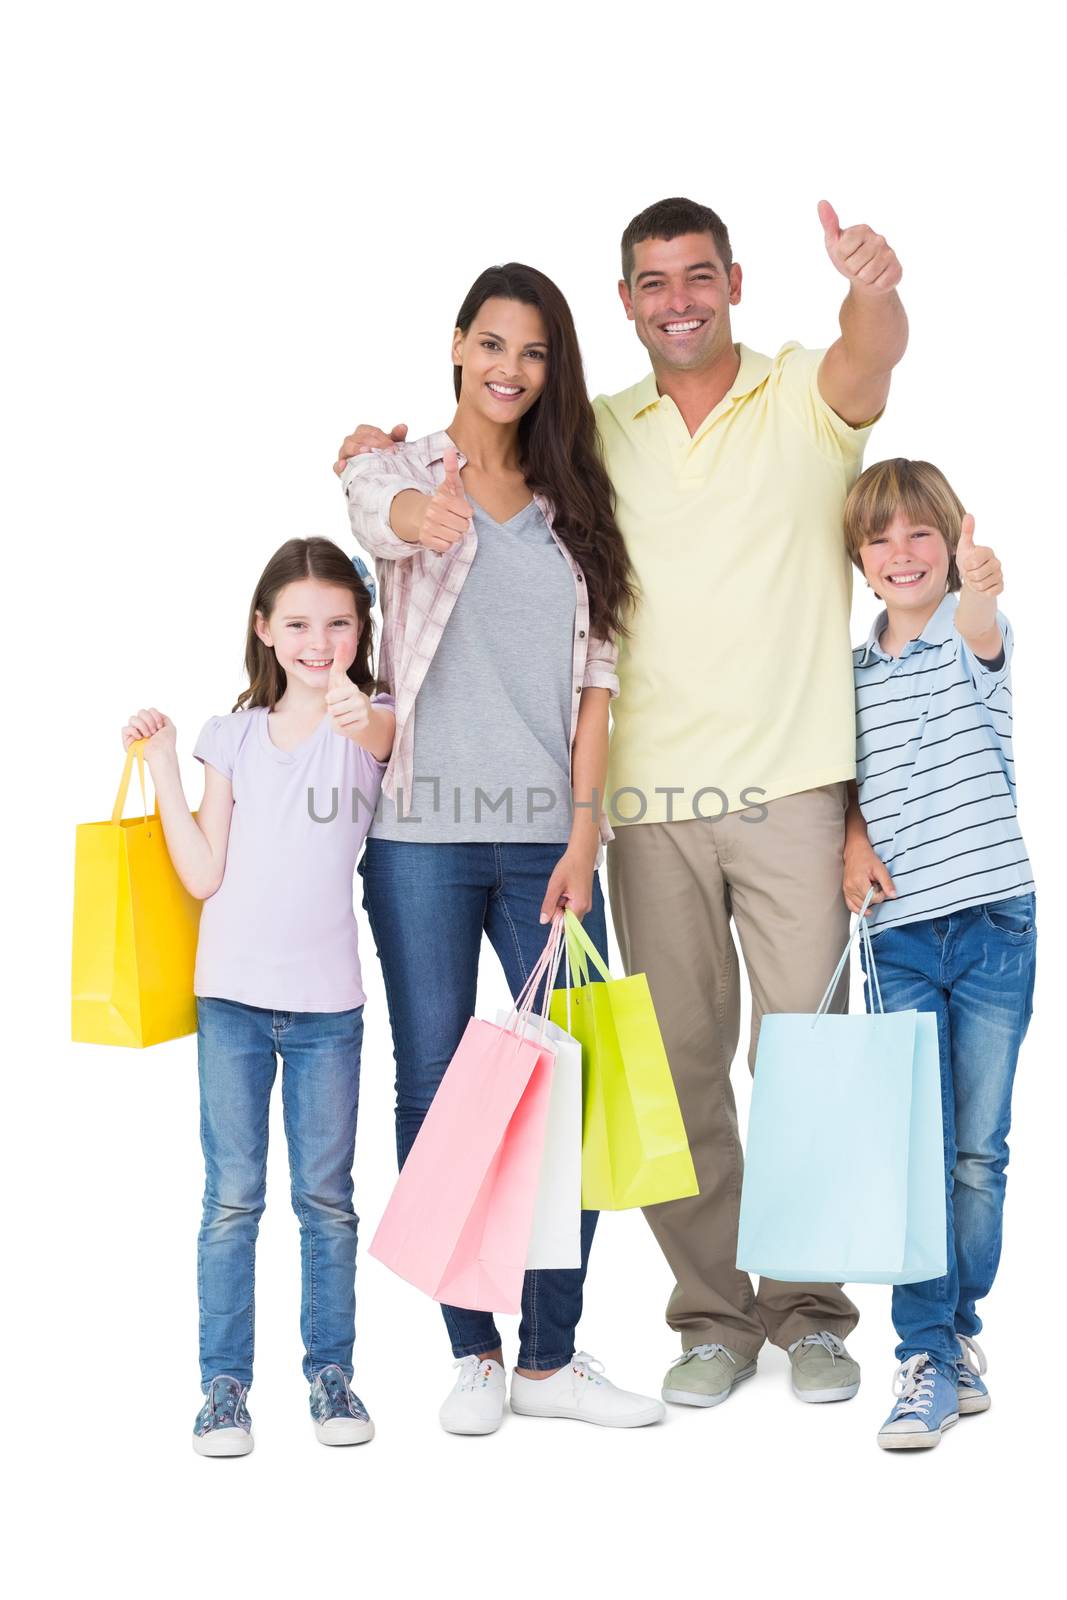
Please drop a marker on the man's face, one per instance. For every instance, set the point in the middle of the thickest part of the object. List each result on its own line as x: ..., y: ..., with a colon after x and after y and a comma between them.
x: 679, y: 298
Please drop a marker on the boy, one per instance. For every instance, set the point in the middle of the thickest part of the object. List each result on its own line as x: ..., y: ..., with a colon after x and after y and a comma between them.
x: 932, y: 825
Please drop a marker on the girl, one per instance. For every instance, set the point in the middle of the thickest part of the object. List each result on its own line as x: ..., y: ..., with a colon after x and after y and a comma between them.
x: 272, y: 851
x: 953, y: 924
x: 504, y: 585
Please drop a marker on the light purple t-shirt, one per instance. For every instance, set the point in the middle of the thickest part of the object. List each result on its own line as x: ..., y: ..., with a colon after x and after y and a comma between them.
x: 280, y: 932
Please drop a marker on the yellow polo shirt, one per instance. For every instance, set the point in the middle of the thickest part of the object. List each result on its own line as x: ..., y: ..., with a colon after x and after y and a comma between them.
x: 736, y: 685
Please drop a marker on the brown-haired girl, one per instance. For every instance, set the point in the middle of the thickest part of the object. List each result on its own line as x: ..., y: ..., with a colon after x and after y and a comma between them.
x: 291, y: 779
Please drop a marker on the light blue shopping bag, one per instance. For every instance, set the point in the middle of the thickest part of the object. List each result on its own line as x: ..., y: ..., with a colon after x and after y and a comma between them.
x: 845, y: 1166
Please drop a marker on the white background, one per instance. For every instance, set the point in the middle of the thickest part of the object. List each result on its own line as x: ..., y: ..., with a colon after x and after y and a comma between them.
x: 233, y: 232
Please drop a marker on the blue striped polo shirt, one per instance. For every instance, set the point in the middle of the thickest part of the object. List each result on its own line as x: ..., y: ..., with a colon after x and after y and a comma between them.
x: 935, y: 773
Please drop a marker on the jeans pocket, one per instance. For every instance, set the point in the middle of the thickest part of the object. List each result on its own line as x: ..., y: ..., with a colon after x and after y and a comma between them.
x: 1014, y: 917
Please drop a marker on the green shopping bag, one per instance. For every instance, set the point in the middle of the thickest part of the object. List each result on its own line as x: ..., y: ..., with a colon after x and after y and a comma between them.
x: 634, y: 1148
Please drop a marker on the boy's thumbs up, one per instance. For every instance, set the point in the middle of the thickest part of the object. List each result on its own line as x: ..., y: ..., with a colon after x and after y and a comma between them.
x: 965, y: 547
x: 831, y: 227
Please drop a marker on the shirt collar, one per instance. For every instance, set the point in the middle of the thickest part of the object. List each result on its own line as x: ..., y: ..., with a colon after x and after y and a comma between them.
x: 938, y: 631
x: 753, y: 370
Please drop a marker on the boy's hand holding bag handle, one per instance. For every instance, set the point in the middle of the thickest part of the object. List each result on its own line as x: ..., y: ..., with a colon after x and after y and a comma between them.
x: 459, y: 1220
x: 135, y: 929
x: 845, y: 1168
x: 634, y: 1146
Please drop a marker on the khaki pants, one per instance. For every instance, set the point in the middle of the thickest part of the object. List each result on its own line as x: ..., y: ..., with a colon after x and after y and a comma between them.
x: 674, y: 887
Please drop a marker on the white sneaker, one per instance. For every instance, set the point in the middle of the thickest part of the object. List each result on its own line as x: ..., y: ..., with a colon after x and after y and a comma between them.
x: 476, y: 1404
x: 580, y: 1390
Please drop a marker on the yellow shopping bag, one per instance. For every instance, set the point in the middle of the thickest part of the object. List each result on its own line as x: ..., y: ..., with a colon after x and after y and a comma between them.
x: 135, y: 930
x: 634, y: 1147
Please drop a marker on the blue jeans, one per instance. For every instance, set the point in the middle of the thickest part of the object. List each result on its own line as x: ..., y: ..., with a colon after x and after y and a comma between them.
x: 238, y: 1046
x: 428, y: 905
x: 975, y: 971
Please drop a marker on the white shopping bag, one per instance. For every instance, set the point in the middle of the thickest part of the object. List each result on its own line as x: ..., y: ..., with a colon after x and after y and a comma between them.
x: 556, y: 1238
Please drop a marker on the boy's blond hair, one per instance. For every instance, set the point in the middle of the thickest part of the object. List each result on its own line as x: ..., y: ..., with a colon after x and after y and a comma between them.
x: 918, y: 490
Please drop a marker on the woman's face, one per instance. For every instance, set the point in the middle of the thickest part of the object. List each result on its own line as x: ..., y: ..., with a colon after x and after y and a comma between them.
x: 504, y: 355
x: 312, y: 624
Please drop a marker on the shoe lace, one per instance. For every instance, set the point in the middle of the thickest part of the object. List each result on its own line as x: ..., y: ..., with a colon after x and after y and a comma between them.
x: 230, y: 1405
x: 470, y: 1369
x: 829, y: 1341
x: 969, y: 1374
x: 351, y: 1403
x: 914, y: 1383
x: 587, y: 1366
x: 706, y: 1352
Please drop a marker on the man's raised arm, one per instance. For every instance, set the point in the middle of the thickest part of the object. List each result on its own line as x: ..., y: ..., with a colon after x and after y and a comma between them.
x: 855, y: 371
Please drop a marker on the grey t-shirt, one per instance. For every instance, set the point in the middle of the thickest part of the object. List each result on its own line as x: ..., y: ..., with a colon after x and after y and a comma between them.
x: 493, y: 715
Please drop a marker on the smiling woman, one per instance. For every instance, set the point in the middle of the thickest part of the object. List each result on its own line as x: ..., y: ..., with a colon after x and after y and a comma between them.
x: 504, y: 585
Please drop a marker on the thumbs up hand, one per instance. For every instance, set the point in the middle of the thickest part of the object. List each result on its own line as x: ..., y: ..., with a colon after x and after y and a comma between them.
x: 347, y: 707
x: 859, y: 254
x: 978, y: 567
x: 446, y: 514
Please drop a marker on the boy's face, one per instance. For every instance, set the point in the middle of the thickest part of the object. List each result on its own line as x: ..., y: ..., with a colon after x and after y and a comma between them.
x: 907, y: 564
x: 679, y: 298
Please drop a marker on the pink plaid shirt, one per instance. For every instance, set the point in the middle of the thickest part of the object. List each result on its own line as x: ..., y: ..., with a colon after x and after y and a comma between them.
x: 419, y: 589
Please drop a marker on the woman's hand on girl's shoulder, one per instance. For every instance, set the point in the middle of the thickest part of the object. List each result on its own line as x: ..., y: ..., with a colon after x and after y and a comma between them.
x: 154, y: 727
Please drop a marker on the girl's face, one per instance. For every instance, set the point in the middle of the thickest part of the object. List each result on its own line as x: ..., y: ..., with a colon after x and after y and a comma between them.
x: 907, y: 564
x: 312, y: 625
x: 503, y: 355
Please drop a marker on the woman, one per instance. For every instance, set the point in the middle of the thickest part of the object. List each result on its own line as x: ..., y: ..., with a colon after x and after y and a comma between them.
x: 504, y: 583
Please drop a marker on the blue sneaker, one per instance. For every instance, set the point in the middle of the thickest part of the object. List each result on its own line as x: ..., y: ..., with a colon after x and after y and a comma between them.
x: 223, y: 1427
x: 926, y: 1407
x: 340, y: 1417
x: 971, y: 1391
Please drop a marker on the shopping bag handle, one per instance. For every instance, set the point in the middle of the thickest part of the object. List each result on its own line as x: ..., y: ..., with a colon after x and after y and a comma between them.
x: 863, y: 931
x: 581, y: 949
x: 136, y: 749
x: 546, y: 966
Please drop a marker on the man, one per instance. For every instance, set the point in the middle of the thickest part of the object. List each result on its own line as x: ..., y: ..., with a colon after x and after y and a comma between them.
x: 733, y: 734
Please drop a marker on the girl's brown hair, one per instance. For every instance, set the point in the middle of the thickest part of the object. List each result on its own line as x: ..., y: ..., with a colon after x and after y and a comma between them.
x: 917, y: 489
x: 297, y: 559
x: 559, y: 454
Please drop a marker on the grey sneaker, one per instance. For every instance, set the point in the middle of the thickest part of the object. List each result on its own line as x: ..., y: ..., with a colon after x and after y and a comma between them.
x: 970, y: 1390
x: 823, y: 1370
x: 340, y: 1417
x: 705, y: 1375
x: 223, y: 1426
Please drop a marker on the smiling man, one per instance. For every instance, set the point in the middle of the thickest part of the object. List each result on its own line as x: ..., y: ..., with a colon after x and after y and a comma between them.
x: 733, y: 731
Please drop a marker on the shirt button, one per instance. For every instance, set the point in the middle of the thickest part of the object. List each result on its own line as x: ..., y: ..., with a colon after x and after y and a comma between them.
x: 581, y: 633
x: 579, y: 577
x: 578, y: 689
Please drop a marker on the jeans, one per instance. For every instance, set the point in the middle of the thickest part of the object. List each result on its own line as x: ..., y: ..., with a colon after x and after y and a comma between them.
x: 428, y: 905
x: 320, y: 1050
x: 975, y: 971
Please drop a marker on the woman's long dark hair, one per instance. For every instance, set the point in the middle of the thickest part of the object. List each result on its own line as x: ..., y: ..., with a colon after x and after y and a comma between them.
x: 295, y: 560
x: 559, y: 454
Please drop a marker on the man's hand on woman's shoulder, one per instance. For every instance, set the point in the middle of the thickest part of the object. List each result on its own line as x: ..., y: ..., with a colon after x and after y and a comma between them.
x: 367, y: 438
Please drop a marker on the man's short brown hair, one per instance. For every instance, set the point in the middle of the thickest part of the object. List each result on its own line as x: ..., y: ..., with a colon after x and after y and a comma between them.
x: 917, y: 489
x: 670, y: 219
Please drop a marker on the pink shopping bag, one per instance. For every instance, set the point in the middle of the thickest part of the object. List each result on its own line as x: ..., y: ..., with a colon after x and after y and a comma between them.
x: 459, y: 1220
